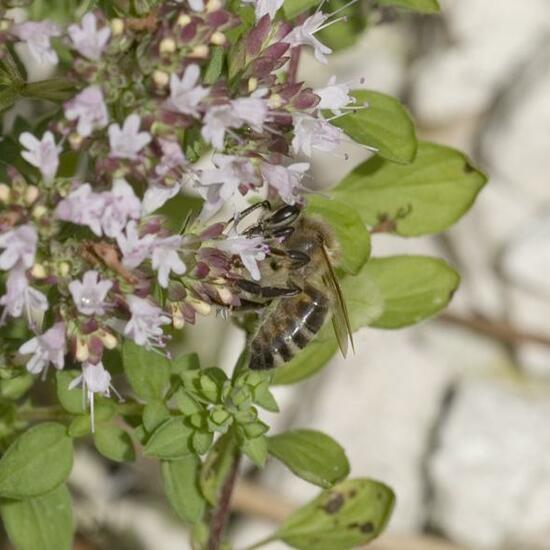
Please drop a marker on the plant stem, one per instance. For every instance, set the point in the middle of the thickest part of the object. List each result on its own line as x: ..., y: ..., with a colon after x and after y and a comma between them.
x: 262, y: 542
x: 221, y: 513
x: 43, y: 413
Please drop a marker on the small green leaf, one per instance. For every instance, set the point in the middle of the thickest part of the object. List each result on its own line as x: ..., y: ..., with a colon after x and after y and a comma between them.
x: 114, y: 443
x: 215, y: 65
x: 37, y: 462
x: 256, y: 450
x: 16, y: 387
x: 80, y: 426
x: 44, y: 522
x: 426, y: 196
x: 311, y: 455
x: 70, y: 400
x: 349, y: 515
x: 349, y: 229
x: 187, y: 404
x: 181, y: 485
x: 53, y: 89
x: 154, y: 414
x: 216, y: 467
x: 292, y: 8
x: 148, y: 372
x: 184, y: 363
x: 170, y: 441
x: 385, y: 124
x: 422, y: 6
x: 412, y: 288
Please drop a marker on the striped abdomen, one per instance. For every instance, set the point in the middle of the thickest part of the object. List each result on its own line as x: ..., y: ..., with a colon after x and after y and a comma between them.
x: 288, y: 328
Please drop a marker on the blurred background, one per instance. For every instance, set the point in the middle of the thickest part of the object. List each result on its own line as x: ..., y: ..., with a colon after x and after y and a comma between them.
x: 454, y: 414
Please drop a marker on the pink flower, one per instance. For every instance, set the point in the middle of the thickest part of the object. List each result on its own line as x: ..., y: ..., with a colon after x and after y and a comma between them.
x: 120, y: 205
x: 271, y: 7
x: 89, y: 108
x: 314, y: 133
x: 46, y: 348
x: 251, y: 251
x: 166, y: 259
x: 251, y: 111
x: 84, y: 207
x: 89, y: 294
x: 87, y: 39
x: 37, y: 34
x: 128, y: 141
x: 334, y: 96
x: 43, y: 154
x: 19, y: 246
x: 185, y: 94
x: 145, y: 325
x: 217, y: 120
x: 20, y: 297
x: 134, y: 249
x: 172, y: 157
x: 303, y: 35
x: 285, y: 180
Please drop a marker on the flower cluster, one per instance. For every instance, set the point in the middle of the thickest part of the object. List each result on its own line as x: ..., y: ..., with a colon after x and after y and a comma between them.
x: 88, y: 258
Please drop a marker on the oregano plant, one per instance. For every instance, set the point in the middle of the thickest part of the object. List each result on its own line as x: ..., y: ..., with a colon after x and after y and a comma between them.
x: 124, y: 177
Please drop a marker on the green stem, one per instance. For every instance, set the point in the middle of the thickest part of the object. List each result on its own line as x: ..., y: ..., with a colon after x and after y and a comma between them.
x: 261, y: 542
x: 43, y: 413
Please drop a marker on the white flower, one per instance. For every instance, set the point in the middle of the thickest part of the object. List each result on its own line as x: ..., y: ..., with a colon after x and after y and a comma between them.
x: 314, y: 133
x: 127, y: 142
x: 251, y: 111
x: 303, y: 35
x: 84, y: 207
x: 166, y: 258
x: 87, y: 40
x: 145, y: 325
x: 120, y: 204
x: 271, y: 7
x: 89, y: 295
x: 134, y: 249
x: 46, y: 348
x: 286, y: 180
x: 37, y: 34
x: 196, y: 5
x: 43, y: 154
x: 94, y: 379
x: 215, y: 123
x: 251, y: 251
x: 89, y: 108
x: 157, y: 195
x: 334, y: 96
x: 20, y: 297
x: 19, y: 246
x: 172, y: 157
x: 185, y: 94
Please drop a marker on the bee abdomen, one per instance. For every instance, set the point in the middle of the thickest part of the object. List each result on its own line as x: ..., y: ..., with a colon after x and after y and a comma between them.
x: 288, y: 328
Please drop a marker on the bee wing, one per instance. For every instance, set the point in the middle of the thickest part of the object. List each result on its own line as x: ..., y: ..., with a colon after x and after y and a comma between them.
x: 340, y: 317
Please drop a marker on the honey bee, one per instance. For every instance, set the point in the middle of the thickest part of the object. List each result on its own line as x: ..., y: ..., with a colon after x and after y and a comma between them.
x: 303, y: 290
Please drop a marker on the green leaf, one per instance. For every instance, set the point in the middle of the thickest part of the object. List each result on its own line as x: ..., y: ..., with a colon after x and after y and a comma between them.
x: 256, y: 450
x: 180, y: 479
x: 344, y: 33
x: 44, y: 522
x: 154, y: 414
x: 16, y: 387
x: 215, y: 65
x: 70, y: 400
x: 148, y: 372
x: 184, y: 363
x: 423, y: 6
x: 217, y: 466
x: 347, y: 516
x: 426, y: 196
x: 114, y: 443
x: 170, y: 441
x: 311, y: 455
x: 292, y: 8
x: 411, y: 287
x: 53, y: 89
x: 37, y: 462
x: 349, y: 229
x: 385, y: 124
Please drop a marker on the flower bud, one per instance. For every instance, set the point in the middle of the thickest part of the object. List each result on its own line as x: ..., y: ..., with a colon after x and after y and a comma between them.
x: 4, y: 193
x: 178, y: 321
x: 161, y: 79
x: 39, y: 211
x: 213, y: 5
x: 108, y: 339
x: 64, y: 269
x: 252, y: 84
x: 183, y: 20
x: 225, y: 295
x: 167, y: 45
x: 117, y: 26
x: 38, y: 271
x: 75, y: 140
x: 275, y: 101
x: 5, y: 25
x: 199, y: 306
x: 199, y: 51
x: 82, y: 351
x: 31, y: 194
x: 218, y: 38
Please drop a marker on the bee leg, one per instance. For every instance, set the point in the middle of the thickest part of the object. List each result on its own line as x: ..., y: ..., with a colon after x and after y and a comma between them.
x: 297, y: 258
x: 267, y: 291
x: 249, y: 305
x: 266, y: 205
